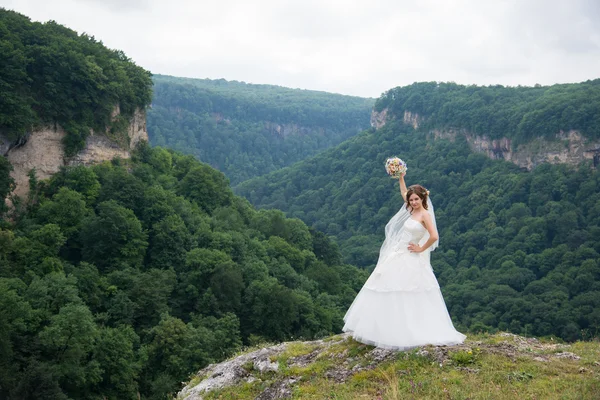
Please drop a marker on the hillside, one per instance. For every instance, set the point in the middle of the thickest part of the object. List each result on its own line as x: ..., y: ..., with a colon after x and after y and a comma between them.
x: 501, y: 366
x: 528, y: 126
x: 247, y: 130
x: 518, y: 251
x: 65, y: 99
x: 120, y: 279
x: 521, y: 113
x: 51, y: 75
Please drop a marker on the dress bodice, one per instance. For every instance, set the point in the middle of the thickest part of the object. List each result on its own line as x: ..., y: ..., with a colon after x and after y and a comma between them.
x: 413, y: 231
x: 398, y: 268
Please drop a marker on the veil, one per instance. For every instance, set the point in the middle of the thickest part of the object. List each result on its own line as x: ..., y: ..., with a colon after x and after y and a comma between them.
x: 395, y: 232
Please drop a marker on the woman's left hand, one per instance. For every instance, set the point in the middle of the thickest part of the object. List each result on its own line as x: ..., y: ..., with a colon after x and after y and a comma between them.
x: 414, y: 248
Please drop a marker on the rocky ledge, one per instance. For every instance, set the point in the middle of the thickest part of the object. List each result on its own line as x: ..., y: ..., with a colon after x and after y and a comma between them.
x: 292, y: 369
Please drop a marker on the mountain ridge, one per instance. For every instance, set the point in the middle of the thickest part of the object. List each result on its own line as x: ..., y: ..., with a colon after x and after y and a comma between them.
x: 248, y: 130
x: 563, y: 148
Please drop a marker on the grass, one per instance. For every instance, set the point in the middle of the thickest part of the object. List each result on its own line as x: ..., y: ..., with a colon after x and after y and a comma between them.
x: 484, y: 367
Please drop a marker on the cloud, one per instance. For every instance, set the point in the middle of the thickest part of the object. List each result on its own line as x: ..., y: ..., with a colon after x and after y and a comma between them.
x: 358, y: 48
x: 121, y: 5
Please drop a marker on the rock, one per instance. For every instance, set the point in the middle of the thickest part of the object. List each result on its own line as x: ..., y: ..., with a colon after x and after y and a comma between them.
x: 412, y: 119
x: 340, y: 375
x: 422, y: 353
x: 440, y: 355
x: 379, y: 355
x: 568, y: 355
x: 304, y: 360
x: 379, y: 119
x: 469, y: 370
x: 231, y: 372
x: 285, y: 130
x: 563, y: 148
x: 265, y: 365
x: 279, y: 390
x: 44, y: 151
x: 343, y: 354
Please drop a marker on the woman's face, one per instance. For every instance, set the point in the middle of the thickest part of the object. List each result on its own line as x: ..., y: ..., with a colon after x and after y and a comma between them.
x: 415, y: 201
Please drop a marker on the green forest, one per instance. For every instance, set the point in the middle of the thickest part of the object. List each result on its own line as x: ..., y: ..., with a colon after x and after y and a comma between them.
x: 519, y: 250
x: 118, y: 281
x: 126, y: 277
x: 519, y: 113
x: 248, y: 130
x: 50, y: 75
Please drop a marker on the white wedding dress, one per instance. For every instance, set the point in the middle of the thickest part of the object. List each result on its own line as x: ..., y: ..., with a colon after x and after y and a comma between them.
x: 401, y: 305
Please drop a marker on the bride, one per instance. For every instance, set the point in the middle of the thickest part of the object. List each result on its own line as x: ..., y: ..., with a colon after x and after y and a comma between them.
x: 401, y: 305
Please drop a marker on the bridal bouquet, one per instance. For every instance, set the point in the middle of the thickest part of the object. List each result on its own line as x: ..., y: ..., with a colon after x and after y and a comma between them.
x: 394, y: 166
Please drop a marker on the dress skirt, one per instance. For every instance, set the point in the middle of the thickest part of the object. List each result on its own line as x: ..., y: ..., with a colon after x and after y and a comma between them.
x: 401, y: 306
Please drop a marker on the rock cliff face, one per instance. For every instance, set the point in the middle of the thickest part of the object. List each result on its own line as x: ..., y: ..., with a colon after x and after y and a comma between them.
x: 44, y: 151
x: 412, y: 119
x: 285, y: 130
x: 565, y: 148
x: 378, y: 119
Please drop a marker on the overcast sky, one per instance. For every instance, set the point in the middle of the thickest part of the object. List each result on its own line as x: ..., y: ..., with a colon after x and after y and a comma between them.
x: 359, y: 48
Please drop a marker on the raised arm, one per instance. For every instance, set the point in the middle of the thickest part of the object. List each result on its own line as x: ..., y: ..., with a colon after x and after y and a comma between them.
x: 403, y: 188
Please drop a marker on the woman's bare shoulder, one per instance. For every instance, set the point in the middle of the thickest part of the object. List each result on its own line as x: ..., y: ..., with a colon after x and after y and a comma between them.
x: 426, y: 216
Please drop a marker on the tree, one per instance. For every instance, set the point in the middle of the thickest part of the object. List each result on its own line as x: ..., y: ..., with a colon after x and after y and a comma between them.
x: 78, y: 178
x: 270, y: 310
x: 68, y: 210
x: 67, y: 343
x: 15, y: 314
x: 200, y: 266
x: 168, y: 352
x: 113, y: 238
x: 121, y: 186
x: 170, y: 240
x: 207, y: 187
x: 119, y: 362
x: 38, y: 252
x: 324, y: 248
x: 161, y: 160
x: 227, y: 286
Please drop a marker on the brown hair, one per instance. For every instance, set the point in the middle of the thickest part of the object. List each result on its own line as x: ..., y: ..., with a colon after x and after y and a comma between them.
x: 419, y: 191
